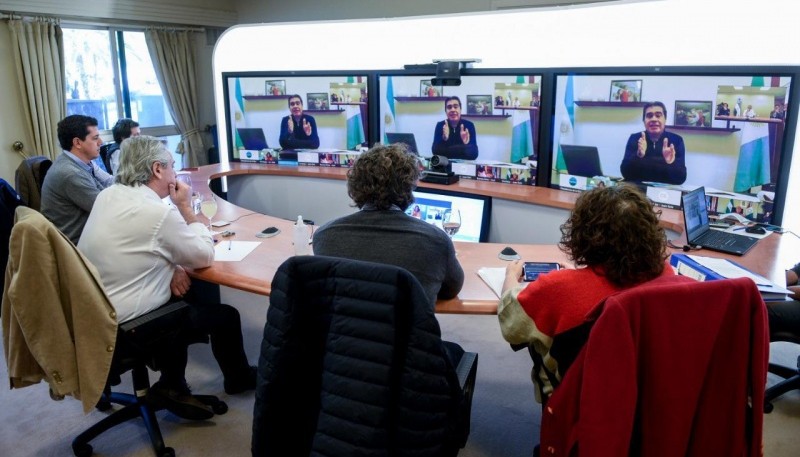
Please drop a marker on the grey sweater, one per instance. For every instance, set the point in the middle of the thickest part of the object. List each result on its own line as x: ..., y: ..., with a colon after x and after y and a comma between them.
x: 394, y: 238
x: 68, y: 194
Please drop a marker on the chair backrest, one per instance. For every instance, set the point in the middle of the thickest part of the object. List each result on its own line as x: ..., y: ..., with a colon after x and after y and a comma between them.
x: 29, y: 179
x: 670, y: 368
x: 58, y: 323
x: 9, y: 201
x: 345, y: 345
x: 106, y: 157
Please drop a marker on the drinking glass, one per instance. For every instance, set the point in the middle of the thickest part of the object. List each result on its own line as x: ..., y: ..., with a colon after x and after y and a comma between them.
x: 208, y: 206
x: 451, y: 222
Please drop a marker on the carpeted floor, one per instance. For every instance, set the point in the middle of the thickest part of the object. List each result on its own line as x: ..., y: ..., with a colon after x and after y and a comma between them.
x: 505, y: 418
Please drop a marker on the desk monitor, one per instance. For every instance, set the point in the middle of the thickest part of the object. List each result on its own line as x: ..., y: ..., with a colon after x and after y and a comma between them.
x: 259, y: 102
x: 252, y: 139
x: 582, y: 160
x: 741, y: 158
x: 430, y: 204
x: 405, y: 138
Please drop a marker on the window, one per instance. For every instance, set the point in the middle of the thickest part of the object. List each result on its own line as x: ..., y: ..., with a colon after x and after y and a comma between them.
x: 109, y: 75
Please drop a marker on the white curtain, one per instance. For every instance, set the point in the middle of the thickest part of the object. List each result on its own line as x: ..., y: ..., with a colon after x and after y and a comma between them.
x: 173, y: 58
x: 38, y: 48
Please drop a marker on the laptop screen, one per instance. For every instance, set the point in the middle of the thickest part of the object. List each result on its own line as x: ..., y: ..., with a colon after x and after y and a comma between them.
x: 252, y: 139
x: 405, y: 138
x: 582, y: 160
x: 695, y: 213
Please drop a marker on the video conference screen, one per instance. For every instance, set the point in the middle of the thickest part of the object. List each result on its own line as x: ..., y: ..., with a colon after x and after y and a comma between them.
x: 332, y: 115
x: 430, y: 206
x: 490, y: 133
x: 722, y: 131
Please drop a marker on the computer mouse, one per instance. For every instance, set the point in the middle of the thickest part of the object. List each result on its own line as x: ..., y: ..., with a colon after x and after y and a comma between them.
x: 755, y: 229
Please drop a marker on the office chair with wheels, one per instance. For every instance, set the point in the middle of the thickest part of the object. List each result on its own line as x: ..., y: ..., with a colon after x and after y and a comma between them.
x: 59, y: 326
x: 670, y: 367
x: 791, y: 375
x: 352, y: 363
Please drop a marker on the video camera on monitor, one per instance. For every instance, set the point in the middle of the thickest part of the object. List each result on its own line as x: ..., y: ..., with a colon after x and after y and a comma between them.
x: 441, y: 171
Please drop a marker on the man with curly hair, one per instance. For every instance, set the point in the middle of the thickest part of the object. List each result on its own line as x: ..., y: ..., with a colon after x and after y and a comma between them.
x: 381, y: 184
x: 614, y: 239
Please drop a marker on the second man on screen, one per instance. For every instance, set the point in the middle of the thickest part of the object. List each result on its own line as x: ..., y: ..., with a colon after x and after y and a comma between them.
x: 298, y: 130
x: 455, y: 137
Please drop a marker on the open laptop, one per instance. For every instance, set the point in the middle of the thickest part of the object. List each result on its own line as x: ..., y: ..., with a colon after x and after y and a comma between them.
x: 582, y: 160
x: 406, y: 138
x: 698, y: 231
x: 253, y: 139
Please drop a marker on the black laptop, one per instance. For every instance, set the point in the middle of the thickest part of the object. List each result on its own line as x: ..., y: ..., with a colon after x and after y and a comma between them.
x: 405, y: 138
x: 699, y: 233
x: 582, y: 160
x: 252, y: 139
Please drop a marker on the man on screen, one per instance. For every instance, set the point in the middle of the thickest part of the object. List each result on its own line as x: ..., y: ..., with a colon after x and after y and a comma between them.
x: 298, y: 130
x: 454, y: 137
x: 654, y: 154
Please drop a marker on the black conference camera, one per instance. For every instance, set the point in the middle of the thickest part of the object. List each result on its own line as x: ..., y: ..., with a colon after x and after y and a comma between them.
x: 448, y: 73
x: 440, y: 172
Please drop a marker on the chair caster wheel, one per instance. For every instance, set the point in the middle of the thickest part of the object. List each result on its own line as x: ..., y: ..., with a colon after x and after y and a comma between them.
x: 82, y: 450
x: 220, y: 407
x: 768, y: 407
x: 167, y: 452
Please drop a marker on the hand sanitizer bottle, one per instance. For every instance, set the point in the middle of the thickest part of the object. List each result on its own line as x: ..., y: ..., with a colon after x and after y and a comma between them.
x: 301, y: 238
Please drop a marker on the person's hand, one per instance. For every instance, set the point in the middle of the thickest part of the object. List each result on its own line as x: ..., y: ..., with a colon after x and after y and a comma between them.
x: 668, y: 151
x: 445, y: 131
x: 306, y: 127
x: 290, y: 125
x: 181, y: 194
x: 464, y: 134
x: 642, y: 146
x: 180, y: 282
x: 513, y: 275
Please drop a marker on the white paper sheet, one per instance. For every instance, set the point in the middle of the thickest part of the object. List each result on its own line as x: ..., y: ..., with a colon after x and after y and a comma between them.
x: 494, y: 278
x: 233, y: 251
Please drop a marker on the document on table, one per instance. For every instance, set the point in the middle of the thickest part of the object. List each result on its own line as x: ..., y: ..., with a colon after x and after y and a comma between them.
x: 494, y: 278
x: 233, y: 251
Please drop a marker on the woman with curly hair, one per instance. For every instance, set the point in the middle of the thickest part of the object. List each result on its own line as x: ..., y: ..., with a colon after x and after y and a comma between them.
x: 614, y: 239
x: 381, y: 184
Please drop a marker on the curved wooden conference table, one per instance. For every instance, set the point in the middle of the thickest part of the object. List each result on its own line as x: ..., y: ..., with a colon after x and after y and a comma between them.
x: 770, y: 257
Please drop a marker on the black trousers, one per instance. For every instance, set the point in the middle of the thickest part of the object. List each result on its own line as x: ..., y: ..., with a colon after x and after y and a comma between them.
x: 219, y: 323
x: 784, y: 317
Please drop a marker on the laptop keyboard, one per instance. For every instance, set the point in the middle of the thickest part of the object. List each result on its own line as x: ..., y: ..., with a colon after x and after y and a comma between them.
x: 717, y: 238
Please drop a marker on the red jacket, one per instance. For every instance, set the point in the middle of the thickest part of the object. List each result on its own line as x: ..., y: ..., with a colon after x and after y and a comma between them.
x: 670, y: 369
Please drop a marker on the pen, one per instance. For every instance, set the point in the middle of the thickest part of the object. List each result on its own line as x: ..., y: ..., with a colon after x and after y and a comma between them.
x: 230, y: 243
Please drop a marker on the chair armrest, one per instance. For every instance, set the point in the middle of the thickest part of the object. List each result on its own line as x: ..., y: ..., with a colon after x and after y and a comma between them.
x: 467, y: 369
x: 158, y: 313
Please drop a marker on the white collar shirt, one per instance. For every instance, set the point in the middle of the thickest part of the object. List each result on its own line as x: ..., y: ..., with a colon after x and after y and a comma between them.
x: 136, y: 240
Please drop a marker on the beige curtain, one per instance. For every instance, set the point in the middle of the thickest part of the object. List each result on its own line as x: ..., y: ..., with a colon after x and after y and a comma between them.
x: 173, y: 58
x: 38, y: 48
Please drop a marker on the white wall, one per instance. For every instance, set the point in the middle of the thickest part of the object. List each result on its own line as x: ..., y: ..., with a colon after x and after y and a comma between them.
x: 624, y: 34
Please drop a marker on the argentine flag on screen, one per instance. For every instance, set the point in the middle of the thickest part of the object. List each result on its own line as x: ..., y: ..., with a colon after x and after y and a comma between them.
x: 387, y: 108
x: 237, y: 105
x: 565, y: 123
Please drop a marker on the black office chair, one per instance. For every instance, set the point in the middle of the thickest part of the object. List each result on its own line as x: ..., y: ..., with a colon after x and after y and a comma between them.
x: 352, y: 363
x: 791, y: 375
x: 105, y: 155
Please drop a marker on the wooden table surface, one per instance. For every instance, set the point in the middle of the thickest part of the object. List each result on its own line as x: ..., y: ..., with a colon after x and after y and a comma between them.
x: 770, y: 257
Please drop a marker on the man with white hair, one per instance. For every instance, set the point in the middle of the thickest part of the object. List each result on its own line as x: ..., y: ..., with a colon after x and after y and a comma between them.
x: 140, y: 246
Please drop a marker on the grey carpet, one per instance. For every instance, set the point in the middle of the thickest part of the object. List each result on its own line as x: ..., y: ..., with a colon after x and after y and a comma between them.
x: 505, y: 418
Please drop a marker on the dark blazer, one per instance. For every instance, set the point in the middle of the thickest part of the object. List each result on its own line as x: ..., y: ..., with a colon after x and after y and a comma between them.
x: 29, y: 178
x: 352, y: 363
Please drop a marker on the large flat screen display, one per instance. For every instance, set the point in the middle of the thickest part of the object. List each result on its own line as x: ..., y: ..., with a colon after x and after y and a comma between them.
x: 430, y: 206
x: 490, y: 132
x: 724, y: 131
x: 332, y: 115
